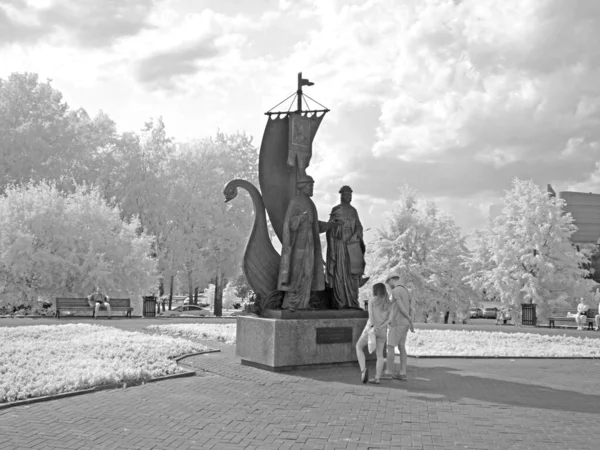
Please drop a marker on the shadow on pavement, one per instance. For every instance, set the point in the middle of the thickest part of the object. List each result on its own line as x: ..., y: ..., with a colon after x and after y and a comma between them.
x: 455, y: 385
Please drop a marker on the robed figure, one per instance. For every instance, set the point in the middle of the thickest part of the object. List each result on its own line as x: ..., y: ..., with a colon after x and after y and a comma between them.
x: 345, y: 252
x: 301, y: 266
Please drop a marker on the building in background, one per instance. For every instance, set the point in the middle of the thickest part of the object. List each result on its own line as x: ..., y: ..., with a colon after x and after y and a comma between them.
x: 585, y: 209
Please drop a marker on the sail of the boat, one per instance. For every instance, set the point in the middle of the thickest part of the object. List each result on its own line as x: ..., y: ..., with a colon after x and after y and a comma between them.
x: 276, y: 177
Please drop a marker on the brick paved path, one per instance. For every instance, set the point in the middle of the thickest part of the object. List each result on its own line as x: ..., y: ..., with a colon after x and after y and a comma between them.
x: 446, y: 404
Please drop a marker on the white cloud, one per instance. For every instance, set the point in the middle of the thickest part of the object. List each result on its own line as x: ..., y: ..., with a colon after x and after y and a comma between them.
x: 454, y: 98
x: 472, y: 94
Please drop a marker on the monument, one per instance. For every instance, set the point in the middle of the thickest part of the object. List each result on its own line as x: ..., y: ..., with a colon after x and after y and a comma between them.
x: 306, y: 315
x: 345, y: 253
x: 301, y: 266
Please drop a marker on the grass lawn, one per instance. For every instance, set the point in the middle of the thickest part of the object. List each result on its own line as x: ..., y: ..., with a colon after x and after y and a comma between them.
x: 441, y: 342
x: 38, y: 360
x: 224, y: 333
x: 43, y: 360
x: 445, y: 342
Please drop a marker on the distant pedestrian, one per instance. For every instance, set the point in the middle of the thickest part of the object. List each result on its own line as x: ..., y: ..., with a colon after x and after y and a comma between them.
x: 379, y: 315
x: 581, y: 317
x: 400, y: 322
x: 97, y: 299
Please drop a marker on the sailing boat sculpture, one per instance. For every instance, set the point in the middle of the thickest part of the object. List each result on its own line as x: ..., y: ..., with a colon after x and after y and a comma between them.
x: 285, y: 153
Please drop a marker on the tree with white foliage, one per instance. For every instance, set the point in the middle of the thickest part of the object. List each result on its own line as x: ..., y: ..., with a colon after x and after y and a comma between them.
x: 525, y: 255
x: 425, y: 245
x: 55, y: 244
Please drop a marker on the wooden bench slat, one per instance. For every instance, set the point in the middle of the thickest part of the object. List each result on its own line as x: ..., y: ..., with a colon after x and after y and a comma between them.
x: 558, y: 314
x: 82, y: 304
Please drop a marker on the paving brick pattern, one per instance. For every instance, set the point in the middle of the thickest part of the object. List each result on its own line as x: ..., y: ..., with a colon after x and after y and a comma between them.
x: 446, y: 404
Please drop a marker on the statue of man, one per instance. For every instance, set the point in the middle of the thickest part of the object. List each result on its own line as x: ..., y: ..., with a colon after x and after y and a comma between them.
x: 301, y: 267
x: 345, y: 252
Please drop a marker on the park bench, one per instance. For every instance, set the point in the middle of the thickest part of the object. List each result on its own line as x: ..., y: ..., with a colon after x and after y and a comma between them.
x: 569, y: 315
x: 82, y: 304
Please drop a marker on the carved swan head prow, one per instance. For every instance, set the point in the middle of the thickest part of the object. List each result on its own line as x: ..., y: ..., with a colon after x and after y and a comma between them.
x: 230, y: 192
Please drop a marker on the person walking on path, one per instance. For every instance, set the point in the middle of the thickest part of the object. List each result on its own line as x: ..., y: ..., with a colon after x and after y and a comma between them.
x: 400, y: 322
x: 97, y: 299
x: 379, y: 317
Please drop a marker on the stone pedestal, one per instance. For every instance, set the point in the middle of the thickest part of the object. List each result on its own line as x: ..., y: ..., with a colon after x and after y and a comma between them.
x: 299, y: 339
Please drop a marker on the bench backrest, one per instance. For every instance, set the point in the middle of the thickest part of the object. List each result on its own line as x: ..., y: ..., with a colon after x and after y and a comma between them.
x: 82, y: 302
x: 592, y: 312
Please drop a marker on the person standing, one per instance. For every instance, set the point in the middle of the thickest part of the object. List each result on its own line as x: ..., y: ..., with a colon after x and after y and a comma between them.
x: 400, y: 322
x: 97, y: 299
x: 379, y: 317
x: 345, y: 252
x: 301, y: 266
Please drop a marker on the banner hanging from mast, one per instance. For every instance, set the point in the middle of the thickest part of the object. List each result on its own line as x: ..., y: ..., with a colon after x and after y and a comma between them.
x: 300, y: 142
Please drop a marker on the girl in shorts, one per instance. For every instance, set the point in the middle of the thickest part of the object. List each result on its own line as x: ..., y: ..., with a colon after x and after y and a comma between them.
x: 379, y: 314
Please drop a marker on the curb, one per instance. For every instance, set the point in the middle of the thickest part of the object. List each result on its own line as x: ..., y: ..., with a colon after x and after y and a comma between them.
x: 27, y: 317
x: 188, y: 317
x: 105, y: 387
x: 500, y: 357
x: 179, y: 358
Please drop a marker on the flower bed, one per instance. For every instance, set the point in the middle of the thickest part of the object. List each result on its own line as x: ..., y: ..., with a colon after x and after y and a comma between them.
x: 44, y: 360
x: 498, y: 344
x: 211, y: 332
x: 458, y: 343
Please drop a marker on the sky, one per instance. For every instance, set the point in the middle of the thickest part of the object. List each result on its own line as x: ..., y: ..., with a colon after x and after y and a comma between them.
x: 454, y: 98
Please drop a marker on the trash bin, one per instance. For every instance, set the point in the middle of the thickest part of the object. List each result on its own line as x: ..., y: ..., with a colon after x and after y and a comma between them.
x: 528, y: 314
x: 149, y: 306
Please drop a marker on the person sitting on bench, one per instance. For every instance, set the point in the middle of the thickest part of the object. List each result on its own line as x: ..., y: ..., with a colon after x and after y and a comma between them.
x: 98, y: 299
x: 581, y: 317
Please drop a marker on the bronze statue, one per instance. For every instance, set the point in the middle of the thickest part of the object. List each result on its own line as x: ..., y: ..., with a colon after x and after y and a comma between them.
x: 345, y: 252
x: 301, y: 267
x: 288, y: 280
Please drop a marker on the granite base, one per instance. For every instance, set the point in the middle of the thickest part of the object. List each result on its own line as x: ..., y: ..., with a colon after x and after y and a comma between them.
x: 315, y: 314
x: 284, y: 344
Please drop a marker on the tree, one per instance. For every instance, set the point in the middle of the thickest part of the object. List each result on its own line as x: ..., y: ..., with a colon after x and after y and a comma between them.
x: 214, y: 233
x: 36, y: 139
x: 98, y: 148
x: 55, y: 244
x: 42, y: 139
x: 230, y: 296
x: 242, y: 288
x: 525, y: 254
x: 425, y: 245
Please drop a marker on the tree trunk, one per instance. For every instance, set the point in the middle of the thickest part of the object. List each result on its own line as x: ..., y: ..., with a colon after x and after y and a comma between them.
x: 218, y: 303
x: 161, y: 292
x: 190, y: 288
x: 171, y: 292
x: 196, y: 295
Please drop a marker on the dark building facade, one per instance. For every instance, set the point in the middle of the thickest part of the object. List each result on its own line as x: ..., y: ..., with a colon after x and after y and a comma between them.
x: 585, y: 209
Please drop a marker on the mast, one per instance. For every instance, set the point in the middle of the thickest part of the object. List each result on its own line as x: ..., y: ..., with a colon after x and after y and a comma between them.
x: 301, y: 82
x: 298, y: 96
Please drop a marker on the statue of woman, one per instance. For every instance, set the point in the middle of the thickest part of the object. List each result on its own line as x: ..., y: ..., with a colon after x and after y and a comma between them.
x: 345, y: 252
x: 301, y: 267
